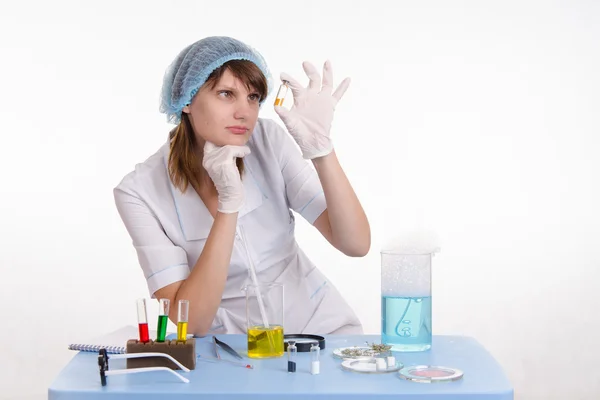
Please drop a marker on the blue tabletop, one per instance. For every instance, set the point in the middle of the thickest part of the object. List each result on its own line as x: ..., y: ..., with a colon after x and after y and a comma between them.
x: 483, y: 377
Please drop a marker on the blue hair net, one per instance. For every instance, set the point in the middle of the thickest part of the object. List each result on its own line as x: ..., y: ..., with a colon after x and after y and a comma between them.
x: 195, y: 63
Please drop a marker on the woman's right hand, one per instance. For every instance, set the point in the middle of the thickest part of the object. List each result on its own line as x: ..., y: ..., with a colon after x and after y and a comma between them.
x: 220, y: 163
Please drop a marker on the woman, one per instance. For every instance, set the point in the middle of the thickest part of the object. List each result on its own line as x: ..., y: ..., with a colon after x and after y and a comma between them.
x: 222, y: 190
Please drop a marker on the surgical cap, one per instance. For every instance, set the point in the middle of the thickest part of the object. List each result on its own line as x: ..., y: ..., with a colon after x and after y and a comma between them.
x: 192, y: 67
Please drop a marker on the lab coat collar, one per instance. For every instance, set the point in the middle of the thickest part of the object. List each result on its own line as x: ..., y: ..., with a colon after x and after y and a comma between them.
x: 194, y: 218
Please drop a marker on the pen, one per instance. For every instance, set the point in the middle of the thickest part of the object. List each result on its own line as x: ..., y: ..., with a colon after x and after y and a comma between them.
x: 241, y: 364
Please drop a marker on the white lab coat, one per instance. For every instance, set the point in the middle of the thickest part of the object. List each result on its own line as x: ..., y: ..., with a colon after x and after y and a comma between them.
x: 169, y: 229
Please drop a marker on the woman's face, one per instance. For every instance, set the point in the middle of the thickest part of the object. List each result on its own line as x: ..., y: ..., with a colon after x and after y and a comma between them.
x: 225, y: 114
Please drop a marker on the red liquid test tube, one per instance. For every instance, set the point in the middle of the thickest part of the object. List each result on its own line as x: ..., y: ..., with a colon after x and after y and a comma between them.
x: 143, y: 321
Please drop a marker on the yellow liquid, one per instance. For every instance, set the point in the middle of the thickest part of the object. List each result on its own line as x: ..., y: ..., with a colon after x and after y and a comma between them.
x: 181, y: 331
x: 264, y: 343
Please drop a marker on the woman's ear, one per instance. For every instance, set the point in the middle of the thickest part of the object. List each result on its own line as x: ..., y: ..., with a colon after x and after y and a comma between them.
x: 186, y: 109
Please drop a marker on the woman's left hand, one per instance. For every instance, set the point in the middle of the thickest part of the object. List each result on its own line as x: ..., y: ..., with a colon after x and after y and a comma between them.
x: 309, y: 120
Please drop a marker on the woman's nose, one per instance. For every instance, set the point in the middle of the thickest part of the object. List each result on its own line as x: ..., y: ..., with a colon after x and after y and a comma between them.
x: 242, y: 109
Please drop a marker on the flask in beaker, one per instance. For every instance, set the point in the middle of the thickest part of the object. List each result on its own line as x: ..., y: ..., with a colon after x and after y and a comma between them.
x: 264, y: 317
x: 406, y: 306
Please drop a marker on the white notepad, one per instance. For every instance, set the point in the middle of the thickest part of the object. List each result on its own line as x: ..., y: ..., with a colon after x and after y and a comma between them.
x: 114, y: 342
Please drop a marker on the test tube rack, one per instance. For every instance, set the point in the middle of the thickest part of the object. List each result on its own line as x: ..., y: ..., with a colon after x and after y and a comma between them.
x: 184, y: 352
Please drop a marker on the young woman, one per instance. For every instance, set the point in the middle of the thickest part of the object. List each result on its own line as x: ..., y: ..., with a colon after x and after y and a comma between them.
x: 219, y: 196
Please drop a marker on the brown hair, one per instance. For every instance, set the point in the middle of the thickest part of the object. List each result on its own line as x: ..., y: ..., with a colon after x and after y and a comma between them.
x: 185, y: 166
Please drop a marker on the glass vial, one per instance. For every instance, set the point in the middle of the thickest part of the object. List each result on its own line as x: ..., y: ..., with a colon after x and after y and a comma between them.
x: 292, y: 350
x: 281, y: 93
x: 315, y: 366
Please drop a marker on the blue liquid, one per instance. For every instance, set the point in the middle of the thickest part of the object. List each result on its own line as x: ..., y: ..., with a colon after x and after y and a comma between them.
x: 406, y: 323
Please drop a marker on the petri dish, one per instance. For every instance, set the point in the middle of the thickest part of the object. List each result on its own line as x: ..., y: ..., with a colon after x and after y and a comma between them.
x: 430, y: 374
x: 368, y: 366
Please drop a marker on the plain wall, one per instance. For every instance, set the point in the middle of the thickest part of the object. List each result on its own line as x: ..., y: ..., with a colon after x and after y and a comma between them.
x: 477, y: 120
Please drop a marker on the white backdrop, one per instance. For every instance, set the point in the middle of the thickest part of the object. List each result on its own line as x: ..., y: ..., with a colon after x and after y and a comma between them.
x: 478, y: 120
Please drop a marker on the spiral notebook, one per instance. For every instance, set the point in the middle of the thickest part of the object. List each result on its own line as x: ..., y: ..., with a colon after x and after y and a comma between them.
x: 114, y: 342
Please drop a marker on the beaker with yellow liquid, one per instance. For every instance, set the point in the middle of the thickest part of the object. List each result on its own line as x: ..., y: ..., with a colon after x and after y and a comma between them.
x: 264, y: 318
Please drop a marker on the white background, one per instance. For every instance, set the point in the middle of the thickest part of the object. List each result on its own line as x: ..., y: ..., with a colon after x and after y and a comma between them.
x: 477, y: 120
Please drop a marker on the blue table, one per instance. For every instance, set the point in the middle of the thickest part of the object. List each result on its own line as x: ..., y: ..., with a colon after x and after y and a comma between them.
x: 483, y: 377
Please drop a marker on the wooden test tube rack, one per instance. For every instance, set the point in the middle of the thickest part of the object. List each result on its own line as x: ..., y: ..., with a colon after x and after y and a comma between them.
x: 184, y: 352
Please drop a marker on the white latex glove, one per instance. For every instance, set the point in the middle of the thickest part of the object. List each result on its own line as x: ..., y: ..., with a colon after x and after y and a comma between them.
x: 309, y: 120
x: 219, y: 162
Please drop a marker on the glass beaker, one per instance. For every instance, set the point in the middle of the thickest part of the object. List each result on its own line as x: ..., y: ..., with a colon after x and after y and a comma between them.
x: 264, y: 318
x: 406, y: 300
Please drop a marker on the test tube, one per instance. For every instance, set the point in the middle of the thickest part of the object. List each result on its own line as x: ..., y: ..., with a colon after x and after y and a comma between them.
x: 281, y: 93
x: 142, y: 320
x: 182, y: 320
x: 292, y: 350
x: 315, y: 366
x: 163, y: 319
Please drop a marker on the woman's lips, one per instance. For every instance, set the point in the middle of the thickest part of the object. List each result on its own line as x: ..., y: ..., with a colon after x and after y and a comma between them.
x: 237, y: 130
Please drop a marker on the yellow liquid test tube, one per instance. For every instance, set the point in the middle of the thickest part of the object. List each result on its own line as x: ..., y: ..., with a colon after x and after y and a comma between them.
x: 281, y: 93
x: 182, y: 320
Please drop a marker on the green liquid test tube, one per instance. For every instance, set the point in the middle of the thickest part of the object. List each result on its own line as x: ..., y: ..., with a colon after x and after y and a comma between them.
x: 163, y: 319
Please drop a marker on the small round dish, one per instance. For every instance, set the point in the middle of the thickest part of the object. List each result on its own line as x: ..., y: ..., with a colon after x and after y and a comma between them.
x: 430, y: 374
x: 365, y: 353
x: 369, y: 366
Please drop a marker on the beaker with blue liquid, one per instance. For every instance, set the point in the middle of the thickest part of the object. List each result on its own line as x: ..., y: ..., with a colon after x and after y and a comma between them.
x: 406, y: 299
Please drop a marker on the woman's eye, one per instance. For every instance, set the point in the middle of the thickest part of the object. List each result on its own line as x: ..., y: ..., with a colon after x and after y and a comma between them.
x: 254, y: 97
x: 225, y: 93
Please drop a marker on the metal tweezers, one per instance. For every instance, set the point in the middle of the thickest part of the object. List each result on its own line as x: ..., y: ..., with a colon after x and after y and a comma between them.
x: 225, y: 347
